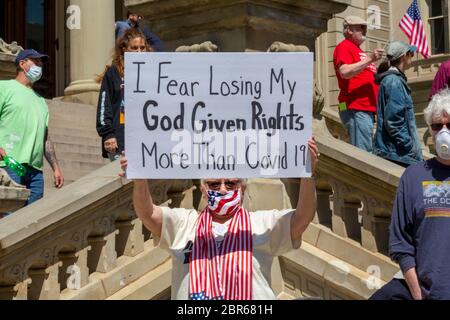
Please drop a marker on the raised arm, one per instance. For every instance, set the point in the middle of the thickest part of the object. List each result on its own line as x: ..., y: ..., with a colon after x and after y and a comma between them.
x: 147, y: 212
x: 306, y: 206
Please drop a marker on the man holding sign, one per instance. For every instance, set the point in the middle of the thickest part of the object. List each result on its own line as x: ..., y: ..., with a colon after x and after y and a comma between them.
x: 225, y: 252
x: 217, y: 117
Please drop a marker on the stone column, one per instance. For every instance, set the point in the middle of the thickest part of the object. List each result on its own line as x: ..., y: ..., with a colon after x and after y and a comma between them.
x: 91, y: 48
x: 45, y: 285
x: 130, y: 240
x: 103, y: 256
x: 17, y: 291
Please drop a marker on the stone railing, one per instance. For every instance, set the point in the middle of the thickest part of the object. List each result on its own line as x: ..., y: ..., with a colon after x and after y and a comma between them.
x: 344, y: 251
x: 85, y: 242
x: 61, y: 245
x: 355, y: 192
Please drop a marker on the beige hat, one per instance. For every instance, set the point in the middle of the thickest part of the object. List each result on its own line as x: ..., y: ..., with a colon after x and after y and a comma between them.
x: 354, y: 20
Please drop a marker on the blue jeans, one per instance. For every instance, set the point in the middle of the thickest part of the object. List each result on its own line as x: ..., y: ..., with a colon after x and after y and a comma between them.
x: 33, y: 180
x: 359, y: 125
x: 396, y: 289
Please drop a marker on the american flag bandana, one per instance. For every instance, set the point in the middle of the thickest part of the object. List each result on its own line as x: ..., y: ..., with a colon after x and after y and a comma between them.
x: 224, y: 205
x: 224, y: 275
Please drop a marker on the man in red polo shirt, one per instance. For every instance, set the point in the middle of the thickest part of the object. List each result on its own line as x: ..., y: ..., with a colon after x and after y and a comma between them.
x: 356, y: 71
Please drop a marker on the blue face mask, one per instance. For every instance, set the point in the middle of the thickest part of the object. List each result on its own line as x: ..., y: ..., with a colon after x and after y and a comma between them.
x: 34, y: 74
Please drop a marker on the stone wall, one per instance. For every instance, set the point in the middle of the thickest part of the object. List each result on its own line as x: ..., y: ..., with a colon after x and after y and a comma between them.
x: 236, y: 25
x: 8, y: 53
x: 7, y: 67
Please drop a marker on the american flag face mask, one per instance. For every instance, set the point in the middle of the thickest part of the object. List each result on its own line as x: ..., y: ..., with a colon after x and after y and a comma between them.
x: 224, y: 204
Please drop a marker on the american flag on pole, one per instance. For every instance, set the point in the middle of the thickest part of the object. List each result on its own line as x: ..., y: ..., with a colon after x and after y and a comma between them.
x: 412, y: 26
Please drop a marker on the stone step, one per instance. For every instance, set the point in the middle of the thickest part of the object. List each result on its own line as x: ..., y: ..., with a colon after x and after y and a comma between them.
x: 73, y: 123
x: 77, y: 144
x: 335, y: 267
x: 59, y: 108
x: 73, y: 132
x: 104, y: 285
x: 69, y: 158
x: 81, y: 167
x: 327, y: 276
x: 76, y: 140
x: 348, y: 250
x: 71, y: 115
x: 73, y: 170
x: 150, y: 286
x: 62, y: 148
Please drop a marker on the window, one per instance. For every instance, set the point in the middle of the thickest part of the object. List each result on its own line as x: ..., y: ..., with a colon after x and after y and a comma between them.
x: 438, y: 19
x: 34, y: 25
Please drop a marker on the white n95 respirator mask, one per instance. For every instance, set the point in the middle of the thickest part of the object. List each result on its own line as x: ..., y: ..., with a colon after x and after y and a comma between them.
x: 443, y: 143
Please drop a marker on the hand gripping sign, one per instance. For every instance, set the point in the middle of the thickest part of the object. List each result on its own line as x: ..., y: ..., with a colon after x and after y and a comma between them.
x: 198, y: 115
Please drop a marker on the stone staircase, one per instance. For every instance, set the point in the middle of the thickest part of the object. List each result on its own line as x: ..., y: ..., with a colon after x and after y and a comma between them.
x: 77, y: 145
x: 90, y: 225
x: 88, y: 231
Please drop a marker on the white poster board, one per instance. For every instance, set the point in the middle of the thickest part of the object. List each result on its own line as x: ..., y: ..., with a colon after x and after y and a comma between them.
x: 218, y: 115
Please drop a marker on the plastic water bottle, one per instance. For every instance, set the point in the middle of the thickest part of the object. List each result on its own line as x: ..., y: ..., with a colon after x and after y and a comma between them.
x: 15, y: 166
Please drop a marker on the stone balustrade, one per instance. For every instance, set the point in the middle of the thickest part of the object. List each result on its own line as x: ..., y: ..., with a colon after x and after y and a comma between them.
x: 355, y: 192
x: 85, y: 241
x: 55, y: 245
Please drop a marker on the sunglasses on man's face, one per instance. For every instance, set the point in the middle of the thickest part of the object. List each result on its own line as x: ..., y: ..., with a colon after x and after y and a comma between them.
x: 439, y: 126
x: 229, y: 185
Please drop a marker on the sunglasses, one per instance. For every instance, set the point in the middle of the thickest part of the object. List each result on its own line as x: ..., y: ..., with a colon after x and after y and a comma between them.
x: 439, y: 126
x: 229, y: 185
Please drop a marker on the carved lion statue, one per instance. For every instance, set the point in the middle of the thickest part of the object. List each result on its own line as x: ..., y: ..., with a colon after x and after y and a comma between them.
x: 278, y: 46
x: 6, y: 181
x: 12, y: 48
x: 206, y: 46
x: 318, y: 97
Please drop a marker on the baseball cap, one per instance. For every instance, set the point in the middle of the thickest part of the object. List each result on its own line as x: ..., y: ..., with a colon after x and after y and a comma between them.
x: 30, y: 53
x: 354, y: 20
x: 398, y: 48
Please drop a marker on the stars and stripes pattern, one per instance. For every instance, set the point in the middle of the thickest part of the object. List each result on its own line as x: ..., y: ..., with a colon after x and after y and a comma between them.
x: 412, y: 26
x: 224, y: 205
x: 224, y: 275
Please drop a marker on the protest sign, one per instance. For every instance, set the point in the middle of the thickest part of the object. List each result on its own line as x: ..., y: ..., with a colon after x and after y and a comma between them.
x: 210, y: 115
